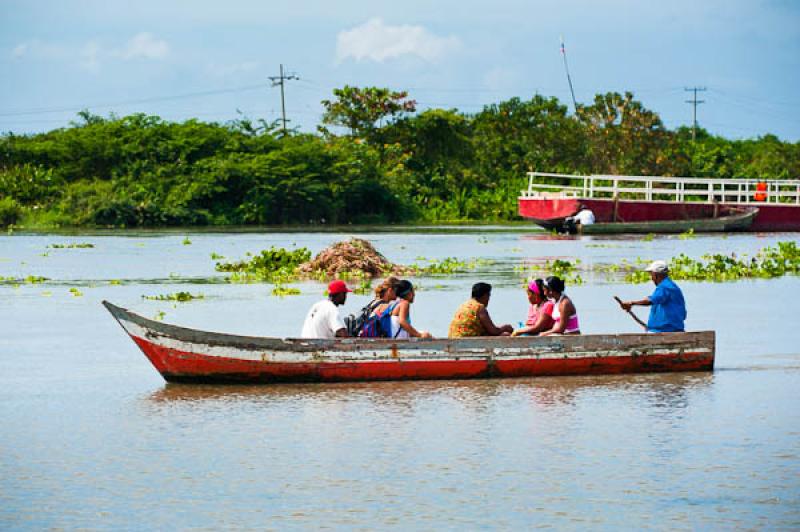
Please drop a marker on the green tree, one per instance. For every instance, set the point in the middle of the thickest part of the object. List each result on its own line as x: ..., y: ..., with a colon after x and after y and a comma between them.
x: 363, y: 110
x: 624, y: 136
x: 516, y: 136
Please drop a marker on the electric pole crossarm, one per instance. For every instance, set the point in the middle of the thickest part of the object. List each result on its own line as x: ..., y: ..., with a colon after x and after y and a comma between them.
x: 281, y: 80
x: 695, y: 102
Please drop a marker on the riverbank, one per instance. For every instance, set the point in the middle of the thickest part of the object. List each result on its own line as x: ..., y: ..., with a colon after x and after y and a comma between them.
x: 521, y: 226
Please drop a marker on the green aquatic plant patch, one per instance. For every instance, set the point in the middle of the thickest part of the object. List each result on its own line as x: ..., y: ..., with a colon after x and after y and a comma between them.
x: 565, y: 269
x: 178, y: 297
x: 271, y: 265
x: 79, y: 245
x: 276, y: 265
x: 282, y: 291
x: 449, y: 265
x: 769, y: 262
x: 30, y: 279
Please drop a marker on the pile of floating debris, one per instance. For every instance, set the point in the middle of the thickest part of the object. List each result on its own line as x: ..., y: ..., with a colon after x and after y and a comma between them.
x: 352, y: 256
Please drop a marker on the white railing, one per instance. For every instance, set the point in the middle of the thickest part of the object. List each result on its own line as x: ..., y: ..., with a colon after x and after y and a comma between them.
x: 669, y: 189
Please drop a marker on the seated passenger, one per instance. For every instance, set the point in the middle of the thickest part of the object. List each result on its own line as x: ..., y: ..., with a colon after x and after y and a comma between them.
x: 565, y: 317
x: 401, y: 313
x: 472, y: 318
x: 583, y: 216
x: 540, y: 313
x: 384, y: 294
x: 323, y: 320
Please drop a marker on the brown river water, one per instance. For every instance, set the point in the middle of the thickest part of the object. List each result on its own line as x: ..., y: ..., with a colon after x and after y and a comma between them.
x: 93, y: 438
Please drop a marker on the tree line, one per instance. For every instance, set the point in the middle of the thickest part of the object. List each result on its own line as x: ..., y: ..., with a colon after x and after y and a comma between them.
x: 374, y: 159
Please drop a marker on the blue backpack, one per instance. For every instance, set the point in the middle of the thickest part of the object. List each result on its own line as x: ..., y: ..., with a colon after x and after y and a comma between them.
x: 354, y: 323
x: 379, y: 325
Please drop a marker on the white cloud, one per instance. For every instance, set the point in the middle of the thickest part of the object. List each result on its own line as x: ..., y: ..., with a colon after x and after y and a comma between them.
x: 93, y: 54
x: 90, y: 56
x: 378, y: 42
x: 145, y: 46
x: 38, y: 50
x: 20, y: 50
x: 231, y: 69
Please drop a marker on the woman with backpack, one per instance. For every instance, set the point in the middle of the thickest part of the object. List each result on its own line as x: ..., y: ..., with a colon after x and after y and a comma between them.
x: 401, y: 314
x: 378, y: 324
x: 362, y: 323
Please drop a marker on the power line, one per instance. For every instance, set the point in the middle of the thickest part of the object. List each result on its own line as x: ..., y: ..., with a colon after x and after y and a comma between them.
x: 281, y: 80
x: 47, y: 110
x: 695, y: 102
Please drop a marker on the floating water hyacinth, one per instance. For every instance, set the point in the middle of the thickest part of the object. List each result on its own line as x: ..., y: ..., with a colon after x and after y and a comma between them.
x: 449, y: 265
x: 282, y: 291
x: 769, y: 262
x: 274, y: 264
x: 179, y: 297
x: 81, y: 245
x: 30, y: 279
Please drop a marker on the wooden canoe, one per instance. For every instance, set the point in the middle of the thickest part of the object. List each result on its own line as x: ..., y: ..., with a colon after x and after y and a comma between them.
x: 738, y: 221
x: 189, y: 355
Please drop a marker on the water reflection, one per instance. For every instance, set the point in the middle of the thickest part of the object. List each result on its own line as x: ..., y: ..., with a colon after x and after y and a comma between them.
x: 662, y: 391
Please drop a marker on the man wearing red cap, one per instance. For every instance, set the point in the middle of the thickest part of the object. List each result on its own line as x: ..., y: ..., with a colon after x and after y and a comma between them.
x: 323, y: 320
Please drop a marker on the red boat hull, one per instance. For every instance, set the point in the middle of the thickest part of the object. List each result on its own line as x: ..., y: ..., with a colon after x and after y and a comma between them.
x: 180, y: 366
x: 187, y: 355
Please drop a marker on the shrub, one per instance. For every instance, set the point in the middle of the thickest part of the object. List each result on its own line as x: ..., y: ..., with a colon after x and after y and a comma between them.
x: 10, y: 211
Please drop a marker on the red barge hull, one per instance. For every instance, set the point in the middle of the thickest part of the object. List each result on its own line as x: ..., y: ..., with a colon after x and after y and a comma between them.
x: 549, y: 212
x: 616, y: 199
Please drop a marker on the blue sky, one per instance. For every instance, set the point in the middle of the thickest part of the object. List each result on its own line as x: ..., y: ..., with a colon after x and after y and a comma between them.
x: 182, y: 59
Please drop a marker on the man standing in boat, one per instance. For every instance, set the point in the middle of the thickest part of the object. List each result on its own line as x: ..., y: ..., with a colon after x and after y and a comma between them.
x: 667, y: 306
x: 323, y: 320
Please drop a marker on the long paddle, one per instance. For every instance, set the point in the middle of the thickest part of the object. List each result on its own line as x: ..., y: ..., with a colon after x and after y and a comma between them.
x: 634, y: 316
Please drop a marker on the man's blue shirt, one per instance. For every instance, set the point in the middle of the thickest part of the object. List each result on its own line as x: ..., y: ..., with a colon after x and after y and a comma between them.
x: 668, y: 309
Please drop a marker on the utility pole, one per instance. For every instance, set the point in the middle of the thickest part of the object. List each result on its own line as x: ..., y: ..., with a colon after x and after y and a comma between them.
x: 280, y: 80
x: 695, y: 102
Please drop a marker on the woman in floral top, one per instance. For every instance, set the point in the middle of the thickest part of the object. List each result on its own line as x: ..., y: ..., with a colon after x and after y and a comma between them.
x: 472, y: 318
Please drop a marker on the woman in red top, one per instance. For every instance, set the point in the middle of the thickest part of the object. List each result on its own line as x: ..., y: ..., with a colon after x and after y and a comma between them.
x: 540, y: 314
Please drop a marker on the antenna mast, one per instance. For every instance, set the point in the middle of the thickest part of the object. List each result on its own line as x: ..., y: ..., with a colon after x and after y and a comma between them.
x: 569, y: 79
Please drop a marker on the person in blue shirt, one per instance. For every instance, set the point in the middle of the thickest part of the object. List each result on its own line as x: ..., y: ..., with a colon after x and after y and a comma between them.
x: 667, y: 306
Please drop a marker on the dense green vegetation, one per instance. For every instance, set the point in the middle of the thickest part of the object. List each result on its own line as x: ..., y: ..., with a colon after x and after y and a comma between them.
x: 387, y: 165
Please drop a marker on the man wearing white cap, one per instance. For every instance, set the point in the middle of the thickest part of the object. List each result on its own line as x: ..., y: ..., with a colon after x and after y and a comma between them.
x: 667, y: 306
x: 323, y: 320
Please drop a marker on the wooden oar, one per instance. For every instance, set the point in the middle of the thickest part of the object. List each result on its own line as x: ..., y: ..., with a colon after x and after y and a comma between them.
x: 634, y: 316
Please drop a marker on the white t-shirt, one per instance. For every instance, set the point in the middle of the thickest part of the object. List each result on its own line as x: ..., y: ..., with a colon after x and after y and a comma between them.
x: 322, y: 321
x: 584, y: 217
x: 397, y: 331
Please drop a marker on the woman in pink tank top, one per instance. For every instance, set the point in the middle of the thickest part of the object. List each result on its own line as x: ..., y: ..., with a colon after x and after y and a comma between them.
x: 540, y: 312
x: 565, y: 317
